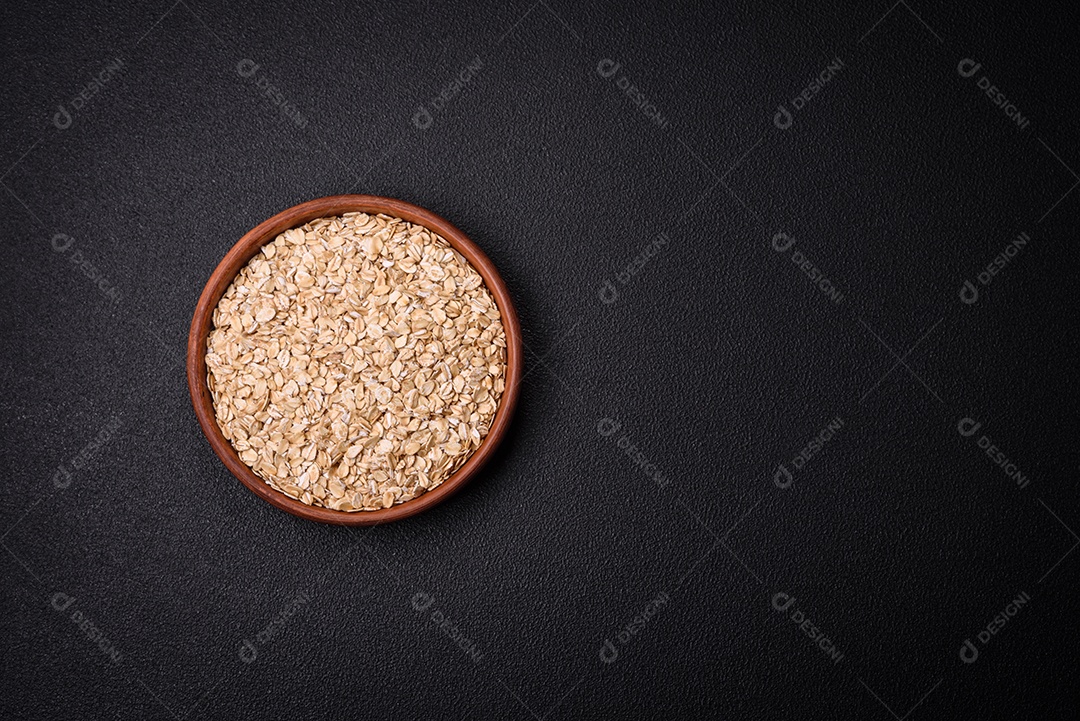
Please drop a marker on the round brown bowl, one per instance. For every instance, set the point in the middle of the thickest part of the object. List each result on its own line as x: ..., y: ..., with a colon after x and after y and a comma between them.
x: 238, y: 257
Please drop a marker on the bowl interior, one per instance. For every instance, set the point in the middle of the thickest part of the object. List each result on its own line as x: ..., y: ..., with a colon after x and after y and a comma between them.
x: 238, y: 257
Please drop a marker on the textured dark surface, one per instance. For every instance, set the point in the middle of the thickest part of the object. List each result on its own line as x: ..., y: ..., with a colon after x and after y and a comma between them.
x: 718, y: 360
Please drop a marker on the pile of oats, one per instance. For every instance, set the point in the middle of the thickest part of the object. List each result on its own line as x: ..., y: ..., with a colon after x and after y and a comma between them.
x: 356, y: 362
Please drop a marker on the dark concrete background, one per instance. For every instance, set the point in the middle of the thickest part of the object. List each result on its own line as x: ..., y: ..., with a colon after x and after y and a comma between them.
x: 572, y: 141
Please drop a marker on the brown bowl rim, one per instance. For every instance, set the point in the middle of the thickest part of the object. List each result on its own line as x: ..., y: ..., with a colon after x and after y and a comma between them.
x: 245, y: 249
